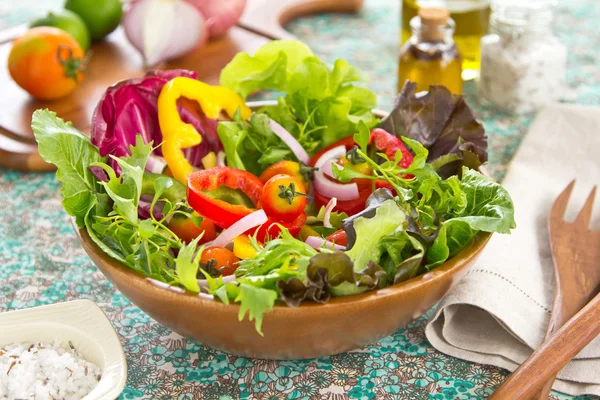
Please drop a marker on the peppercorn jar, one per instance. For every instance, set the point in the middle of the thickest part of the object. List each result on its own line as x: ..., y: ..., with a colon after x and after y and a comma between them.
x: 523, y: 65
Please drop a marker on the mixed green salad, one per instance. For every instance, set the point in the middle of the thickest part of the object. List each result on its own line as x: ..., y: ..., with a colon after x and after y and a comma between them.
x: 302, y: 200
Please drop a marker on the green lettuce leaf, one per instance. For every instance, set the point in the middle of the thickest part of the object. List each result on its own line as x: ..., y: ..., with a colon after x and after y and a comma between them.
x: 459, y: 234
x: 402, y: 256
x: 370, y: 230
x: 270, y: 68
x: 252, y: 146
x: 321, y: 104
x: 72, y: 152
x: 489, y: 206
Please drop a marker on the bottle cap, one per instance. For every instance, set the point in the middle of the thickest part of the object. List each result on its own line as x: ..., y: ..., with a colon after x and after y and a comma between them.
x: 433, y: 22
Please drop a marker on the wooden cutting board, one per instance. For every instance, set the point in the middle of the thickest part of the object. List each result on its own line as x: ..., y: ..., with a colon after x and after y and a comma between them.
x: 115, y: 59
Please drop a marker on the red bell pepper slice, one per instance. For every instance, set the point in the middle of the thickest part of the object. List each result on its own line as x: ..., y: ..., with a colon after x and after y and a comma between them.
x: 390, y: 144
x: 271, y: 228
x: 220, y: 212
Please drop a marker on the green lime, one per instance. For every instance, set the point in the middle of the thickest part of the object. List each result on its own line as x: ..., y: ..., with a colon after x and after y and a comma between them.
x: 101, y: 16
x: 69, y: 22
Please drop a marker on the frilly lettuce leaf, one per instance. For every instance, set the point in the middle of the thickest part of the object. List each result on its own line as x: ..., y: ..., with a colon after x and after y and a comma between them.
x: 72, y: 152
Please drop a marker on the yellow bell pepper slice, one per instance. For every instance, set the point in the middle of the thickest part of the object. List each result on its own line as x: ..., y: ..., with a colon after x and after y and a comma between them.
x: 242, y: 247
x: 178, y: 135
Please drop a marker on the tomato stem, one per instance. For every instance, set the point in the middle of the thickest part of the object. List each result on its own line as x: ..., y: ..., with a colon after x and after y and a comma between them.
x: 289, y: 192
x: 72, y: 65
x: 354, y: 157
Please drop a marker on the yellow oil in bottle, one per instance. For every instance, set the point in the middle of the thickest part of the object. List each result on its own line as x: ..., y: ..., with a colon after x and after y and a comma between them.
x: 430, y: 56
x: 472, y: 22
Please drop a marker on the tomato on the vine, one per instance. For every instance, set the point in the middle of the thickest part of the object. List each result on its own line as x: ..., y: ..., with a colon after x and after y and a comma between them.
x: 220, y: 259
x: 283, y: 198
x: 47, y: 62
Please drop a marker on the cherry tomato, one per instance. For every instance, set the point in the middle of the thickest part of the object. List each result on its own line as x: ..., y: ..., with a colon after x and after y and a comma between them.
x: 221, y: 259
x: 187, y: 231
x: 292, y: 168
x: 47, y: 62
x: 362, y: 168
x: 283, y: 198
x: 350, y: 207
x: 271, y: 228
x: 338, y: 237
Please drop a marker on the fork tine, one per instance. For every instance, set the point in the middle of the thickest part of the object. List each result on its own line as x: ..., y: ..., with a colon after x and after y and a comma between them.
x: 560, y: 204
x: 585, y: 215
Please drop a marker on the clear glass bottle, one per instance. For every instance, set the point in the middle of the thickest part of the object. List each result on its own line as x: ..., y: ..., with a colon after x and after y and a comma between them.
x: 430, y: 56
x: 472, y: 22
x: 523, y: 65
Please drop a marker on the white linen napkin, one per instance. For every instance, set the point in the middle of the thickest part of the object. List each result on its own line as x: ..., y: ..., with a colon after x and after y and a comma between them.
x: 499, y: 312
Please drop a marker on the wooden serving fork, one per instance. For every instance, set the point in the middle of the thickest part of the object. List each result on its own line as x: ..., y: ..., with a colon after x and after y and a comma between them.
x: 575, y: 319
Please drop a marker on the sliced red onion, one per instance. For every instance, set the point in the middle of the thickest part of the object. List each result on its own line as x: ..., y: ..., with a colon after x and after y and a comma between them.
x: 206, y: 296
x: 328, y: 208
x: 248, y: 222
x: 221, y: 159
x: 331, y: 155
x: 328, y: 167
x: 318, y: 243
x: 290, y: 141
x: 156, y: 164
x: 328, y: 188
x: 164, y: 285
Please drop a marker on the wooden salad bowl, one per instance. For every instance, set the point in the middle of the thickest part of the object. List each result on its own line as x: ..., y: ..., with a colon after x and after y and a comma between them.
x: 308, y: 331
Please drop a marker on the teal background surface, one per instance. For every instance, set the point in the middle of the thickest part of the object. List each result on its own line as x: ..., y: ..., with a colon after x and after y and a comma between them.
x: 41, y: 261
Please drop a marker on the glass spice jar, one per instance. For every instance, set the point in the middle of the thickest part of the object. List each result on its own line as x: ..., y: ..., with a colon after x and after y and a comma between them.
x: 430, y: 56
x: 523, y: 65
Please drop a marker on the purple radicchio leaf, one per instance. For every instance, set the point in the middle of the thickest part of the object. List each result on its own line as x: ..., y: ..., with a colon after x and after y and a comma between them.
x: 129, y: 108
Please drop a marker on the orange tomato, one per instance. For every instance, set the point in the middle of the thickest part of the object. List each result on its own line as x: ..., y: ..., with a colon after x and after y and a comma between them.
x: 286, y: 167
x: 283, y: 198
x: 221, y: 259
x: 47, y: 62
x: 187, y: 231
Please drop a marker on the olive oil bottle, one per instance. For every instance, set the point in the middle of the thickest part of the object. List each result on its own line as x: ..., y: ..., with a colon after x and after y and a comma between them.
x: 472, y: 22
x: 430, y: 56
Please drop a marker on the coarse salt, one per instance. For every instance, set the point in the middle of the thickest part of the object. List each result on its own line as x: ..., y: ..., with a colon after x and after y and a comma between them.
x: 41, y: 371
x: 523, y: 65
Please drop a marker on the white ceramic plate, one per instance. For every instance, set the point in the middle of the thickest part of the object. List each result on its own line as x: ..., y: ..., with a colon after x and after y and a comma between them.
x: 85, y: 325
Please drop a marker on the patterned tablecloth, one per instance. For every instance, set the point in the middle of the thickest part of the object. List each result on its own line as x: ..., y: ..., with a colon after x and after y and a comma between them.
x: 41, y: 261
